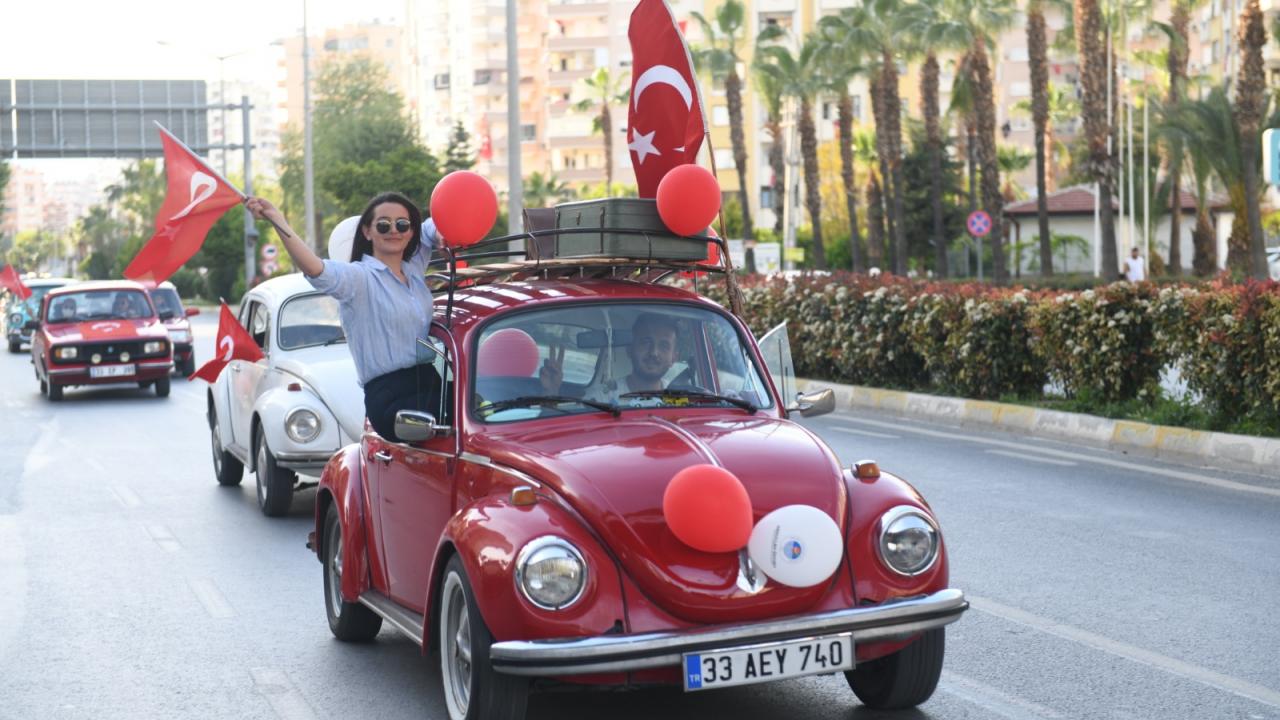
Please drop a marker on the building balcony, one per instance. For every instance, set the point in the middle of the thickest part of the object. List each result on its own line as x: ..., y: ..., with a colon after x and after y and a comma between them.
x: 568, y: 42
x: 563, y: 9
x: 581, y: 174
x: 561, y: 78
x: 564, y: 142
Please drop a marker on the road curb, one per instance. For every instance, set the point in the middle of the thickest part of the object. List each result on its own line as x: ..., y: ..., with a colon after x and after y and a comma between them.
x: 1173, y: 444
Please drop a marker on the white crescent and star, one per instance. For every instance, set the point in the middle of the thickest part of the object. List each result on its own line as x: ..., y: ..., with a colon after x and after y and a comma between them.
x: 642, y: 143
x: 230, y: 347
x: 202, y: 188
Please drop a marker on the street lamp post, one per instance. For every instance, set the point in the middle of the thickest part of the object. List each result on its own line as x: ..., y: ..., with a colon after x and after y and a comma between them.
x: 308, y: 170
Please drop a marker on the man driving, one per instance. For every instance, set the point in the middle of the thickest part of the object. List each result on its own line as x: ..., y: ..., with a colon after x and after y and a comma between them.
x: 652, y: 352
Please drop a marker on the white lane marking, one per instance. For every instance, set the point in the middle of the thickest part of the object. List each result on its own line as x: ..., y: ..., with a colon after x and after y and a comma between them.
x: 993, y: 700
x: 42, y: 454
x: 865, y: 433
x: 285, y: 700
x: 1032, y: 458
x: 164, y: 538
x: 13, y: 568
x: 214, y: 602
x: 1185, y: 670
x: 1149, y: 469
x: 126, y: 497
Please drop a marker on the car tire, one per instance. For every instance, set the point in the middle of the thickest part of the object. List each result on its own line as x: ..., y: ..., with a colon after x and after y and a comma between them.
x: 472, y: 689
x: 189, y: 367
x: 15, y: 346
x: 904, y: 679
x: 162, y: 386
x: 348, y: 621
x: 275, y: 484
x: 227, y: 468
x: 55, y: 392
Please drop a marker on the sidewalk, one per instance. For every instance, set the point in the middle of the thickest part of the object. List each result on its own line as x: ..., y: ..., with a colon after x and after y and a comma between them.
x: 1242, y: 453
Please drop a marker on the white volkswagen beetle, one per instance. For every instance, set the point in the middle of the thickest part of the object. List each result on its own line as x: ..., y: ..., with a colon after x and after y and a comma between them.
x: 287, y: 413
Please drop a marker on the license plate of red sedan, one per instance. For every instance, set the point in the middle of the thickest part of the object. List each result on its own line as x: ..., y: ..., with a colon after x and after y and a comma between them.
x: 768, y: 661
x: 101, y: 371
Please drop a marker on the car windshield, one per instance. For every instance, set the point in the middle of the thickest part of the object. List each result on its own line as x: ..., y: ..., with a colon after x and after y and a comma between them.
x: 593, y: 357
x: 310, y: 320
x: 99, y: 305
x: 167, y: 302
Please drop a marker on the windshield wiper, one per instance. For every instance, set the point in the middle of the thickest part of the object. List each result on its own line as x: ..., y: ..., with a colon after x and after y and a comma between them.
x: 333, y: 340
x: 680, y: 392
x: 527, y: 400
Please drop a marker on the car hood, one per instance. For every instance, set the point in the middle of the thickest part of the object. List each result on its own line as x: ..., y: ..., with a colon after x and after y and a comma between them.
x: 614, y: 473
x: 331, y: 373
x: 105, y: 330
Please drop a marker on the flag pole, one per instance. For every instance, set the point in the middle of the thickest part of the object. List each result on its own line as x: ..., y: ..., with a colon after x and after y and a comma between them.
x: 731, y: 280
x: 197, y: 158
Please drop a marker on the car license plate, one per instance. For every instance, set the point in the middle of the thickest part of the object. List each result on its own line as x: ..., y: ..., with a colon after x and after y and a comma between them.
x: 105, y: 371
x: 770, y: 661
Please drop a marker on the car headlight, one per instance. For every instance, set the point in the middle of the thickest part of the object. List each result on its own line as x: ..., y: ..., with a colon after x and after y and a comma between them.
x: 551, y: 572
x: 66, y: 353
x: 15, y: 319
x: 302, y: 425
x: 908, y: 540
x: 153, y: 347
x: 180, y: 336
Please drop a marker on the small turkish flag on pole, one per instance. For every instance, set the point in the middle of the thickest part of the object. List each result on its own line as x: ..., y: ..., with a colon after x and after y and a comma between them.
x: 196, y: 197
x: 665, y: 119
x: 233, y: 344
x: 9, y: 279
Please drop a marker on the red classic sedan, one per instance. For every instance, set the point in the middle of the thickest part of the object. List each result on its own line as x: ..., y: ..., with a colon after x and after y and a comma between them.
x: 99, y: 333
x: 519, y: 529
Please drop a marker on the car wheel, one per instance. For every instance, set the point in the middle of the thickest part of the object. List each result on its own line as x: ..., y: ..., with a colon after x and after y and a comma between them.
x: 901, y: 680
x: 472, y: 689
x: 44, y: 387
x: 55, y: 392
x: 275, y: 484
x: 226, y: 467
x: 15, y: 346
x: 162, y: 386
x: 349, y: 621
x: 189, y: 366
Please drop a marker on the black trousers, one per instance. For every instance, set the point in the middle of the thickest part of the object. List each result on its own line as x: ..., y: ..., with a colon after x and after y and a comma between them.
x: 411, y: 388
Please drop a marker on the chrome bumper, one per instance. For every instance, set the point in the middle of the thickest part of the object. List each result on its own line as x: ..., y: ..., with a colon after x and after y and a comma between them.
x: 624, y: 653
x: 306, y: 463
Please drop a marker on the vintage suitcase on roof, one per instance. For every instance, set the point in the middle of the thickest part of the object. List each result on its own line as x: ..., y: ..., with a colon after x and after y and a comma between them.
x: 634, y: 214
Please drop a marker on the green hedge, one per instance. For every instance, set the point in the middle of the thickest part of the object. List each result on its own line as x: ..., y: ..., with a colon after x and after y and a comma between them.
x: 1108, y: 344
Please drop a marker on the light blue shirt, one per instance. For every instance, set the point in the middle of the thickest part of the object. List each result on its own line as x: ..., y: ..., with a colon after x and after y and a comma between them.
x: 382, y: 317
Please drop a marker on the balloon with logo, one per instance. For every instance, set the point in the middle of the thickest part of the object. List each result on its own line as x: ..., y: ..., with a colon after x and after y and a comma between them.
x: 688, y: 199
x: 708, y: 509
x: 342, y: 238
x: 464, y: 207
x: 796, y: 545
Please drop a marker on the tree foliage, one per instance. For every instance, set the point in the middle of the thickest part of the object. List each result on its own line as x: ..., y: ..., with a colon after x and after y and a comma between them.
x: 459, y: 155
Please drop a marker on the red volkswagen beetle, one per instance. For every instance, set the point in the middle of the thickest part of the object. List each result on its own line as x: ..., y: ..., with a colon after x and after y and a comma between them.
x: 99, y: 333
x: 519, y: 532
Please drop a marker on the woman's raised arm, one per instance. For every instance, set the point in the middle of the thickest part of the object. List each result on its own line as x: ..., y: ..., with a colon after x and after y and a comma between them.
x: 304, y: 258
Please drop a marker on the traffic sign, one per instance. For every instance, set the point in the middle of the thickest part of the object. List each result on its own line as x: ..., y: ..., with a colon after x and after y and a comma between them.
x: 1271, y: 156
x: 269, y: 251
x: 269, y: 268
x: 979, y: 223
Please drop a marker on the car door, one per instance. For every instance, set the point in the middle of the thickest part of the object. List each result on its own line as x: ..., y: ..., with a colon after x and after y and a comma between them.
x: 413, y: 487
x: 247, y: 376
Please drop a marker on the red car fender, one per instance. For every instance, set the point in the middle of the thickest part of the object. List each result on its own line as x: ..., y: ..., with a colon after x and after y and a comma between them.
x: 488, y: 535
x: 342, y: 483
x: 869, y: 499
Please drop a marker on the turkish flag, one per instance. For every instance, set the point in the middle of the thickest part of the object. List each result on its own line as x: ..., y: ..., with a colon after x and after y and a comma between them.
x: 486, y: 141
x: 9, y: 280
x: 234, y: 343
x: 665, y: 121
x: 196, y: 197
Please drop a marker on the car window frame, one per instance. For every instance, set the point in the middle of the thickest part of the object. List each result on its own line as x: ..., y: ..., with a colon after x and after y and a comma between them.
x: 280, y: 326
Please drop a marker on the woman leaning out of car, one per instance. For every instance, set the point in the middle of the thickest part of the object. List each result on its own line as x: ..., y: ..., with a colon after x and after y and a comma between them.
x: 384, y: 302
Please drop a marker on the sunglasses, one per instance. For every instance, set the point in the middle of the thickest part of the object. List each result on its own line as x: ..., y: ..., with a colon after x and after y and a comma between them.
x: 384, y: 226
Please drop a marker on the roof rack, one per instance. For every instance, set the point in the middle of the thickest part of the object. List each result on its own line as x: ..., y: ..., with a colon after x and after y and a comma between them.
x: 505, y: 263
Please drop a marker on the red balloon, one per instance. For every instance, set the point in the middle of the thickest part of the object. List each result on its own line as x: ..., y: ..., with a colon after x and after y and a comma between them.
x: 509, y: 352
x: 688, y: 199
x: 464, y: 207
x: 708, y: 509
x: 713, y: 254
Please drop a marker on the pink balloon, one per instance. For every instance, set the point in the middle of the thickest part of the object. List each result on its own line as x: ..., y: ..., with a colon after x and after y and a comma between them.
x: 509, y: 352
x: 688, y: 199
x: 708, y: 509
x: 464, y: 207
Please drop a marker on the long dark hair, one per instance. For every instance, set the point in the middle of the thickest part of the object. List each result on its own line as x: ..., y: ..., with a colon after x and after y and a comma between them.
x: 364, y: 246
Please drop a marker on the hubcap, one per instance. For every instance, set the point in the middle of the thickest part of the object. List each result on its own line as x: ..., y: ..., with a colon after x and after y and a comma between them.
x: 335, y: 571
x: 456, y: 655
x: 262, y: 470
x: 217, y: 448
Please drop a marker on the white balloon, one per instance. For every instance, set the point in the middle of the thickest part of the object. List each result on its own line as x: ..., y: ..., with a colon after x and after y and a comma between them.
x: 342, y: 238
x: 796, y: 545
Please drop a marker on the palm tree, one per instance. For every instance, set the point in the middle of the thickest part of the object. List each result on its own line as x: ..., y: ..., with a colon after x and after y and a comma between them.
x: 1093, y: 83
x: 1038, y: 57
x: 800, y: 74
x: 770, y: 90
x: 1251, y: 104
x: 973, y: 24
x: 604, y: 89
x: 720, y: 56
x: 870, y: 29
x: 841, y: 63
x: 864, y: 151
x: 544, y: 190
x: 1176, y: 64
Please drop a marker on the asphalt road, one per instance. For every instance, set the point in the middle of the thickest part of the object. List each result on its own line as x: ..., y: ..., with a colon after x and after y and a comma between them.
x: 132, y: 586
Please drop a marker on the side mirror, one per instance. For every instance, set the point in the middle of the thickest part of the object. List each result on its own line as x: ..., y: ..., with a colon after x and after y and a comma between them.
x: 31, y: 325
x: 814, y: 403
x: 192, y: 312
x: 416, y: 426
